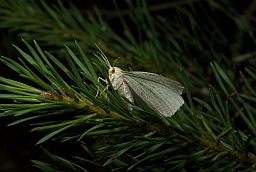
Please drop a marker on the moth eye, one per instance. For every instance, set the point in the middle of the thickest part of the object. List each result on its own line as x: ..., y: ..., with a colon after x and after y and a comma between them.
x: 112, y: 70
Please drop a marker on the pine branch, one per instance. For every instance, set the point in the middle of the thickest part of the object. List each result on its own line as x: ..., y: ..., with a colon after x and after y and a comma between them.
x: 202, y: 135
x: 118, y: 131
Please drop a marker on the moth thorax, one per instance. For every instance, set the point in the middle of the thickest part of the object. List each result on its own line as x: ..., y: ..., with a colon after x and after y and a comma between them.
x: 116, y: 77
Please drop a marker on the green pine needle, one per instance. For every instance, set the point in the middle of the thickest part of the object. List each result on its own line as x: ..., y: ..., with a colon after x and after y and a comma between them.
x: 58, y: 95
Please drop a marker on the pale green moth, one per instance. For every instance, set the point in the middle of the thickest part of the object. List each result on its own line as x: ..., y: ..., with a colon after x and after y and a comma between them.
x: 161, y: 94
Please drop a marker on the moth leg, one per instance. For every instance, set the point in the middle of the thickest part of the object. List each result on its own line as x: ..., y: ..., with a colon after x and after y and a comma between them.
x: 98, y: 88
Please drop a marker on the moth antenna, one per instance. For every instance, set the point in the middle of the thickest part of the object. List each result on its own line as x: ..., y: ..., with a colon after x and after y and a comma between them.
x: 104, y: 57
x: 116, y: 61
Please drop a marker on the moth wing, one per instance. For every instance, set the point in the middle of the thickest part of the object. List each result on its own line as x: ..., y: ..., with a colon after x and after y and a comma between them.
x: 159, y: 97
x: 171, y: 84
x: 125, y: 91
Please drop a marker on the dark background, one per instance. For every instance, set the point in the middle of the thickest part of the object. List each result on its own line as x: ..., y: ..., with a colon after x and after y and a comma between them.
x: 17, y: 145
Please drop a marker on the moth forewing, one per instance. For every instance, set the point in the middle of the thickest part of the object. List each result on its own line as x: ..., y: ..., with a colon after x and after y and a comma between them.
x: 165, y: 100
x: 172, y: 84
x: 159, y: 93
x: 125, y: 91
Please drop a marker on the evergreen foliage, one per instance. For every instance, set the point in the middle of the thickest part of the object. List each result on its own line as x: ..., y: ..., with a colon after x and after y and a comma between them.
x: 57, y: 95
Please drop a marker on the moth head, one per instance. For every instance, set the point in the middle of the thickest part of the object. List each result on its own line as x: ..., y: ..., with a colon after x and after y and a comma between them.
x: 114, y: 71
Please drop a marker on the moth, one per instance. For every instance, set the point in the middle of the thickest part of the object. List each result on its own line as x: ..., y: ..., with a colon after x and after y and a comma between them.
x: 161, y: 94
